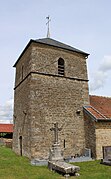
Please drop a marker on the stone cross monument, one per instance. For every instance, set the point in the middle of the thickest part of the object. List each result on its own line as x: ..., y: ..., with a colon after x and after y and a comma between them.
x: 56, y: 161
x: 55, y: 152
x: 56, y: 129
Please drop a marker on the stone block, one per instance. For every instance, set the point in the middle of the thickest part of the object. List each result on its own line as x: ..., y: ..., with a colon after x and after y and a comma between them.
x: 63, y: 167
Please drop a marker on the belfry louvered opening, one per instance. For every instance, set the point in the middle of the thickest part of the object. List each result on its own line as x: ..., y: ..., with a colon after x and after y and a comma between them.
x: 61, y: 66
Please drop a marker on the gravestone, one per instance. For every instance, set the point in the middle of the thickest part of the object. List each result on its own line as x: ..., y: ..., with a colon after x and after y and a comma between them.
x: 85, y: 156
x: 56, y: 161
x: 106, y: 155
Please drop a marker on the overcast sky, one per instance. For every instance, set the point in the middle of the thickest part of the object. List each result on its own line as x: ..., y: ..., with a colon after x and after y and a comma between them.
x: 84, y: 24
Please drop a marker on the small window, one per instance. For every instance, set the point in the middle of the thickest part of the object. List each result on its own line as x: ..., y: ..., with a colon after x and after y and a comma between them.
x: 64, y: 144
x: 61, y: 66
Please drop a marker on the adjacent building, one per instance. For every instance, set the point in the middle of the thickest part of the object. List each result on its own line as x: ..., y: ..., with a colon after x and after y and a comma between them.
x: 98, y: 124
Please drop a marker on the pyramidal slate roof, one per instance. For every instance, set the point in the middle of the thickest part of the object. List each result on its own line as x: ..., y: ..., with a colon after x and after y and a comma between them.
x: 58, y: 44
x: 51, y: 42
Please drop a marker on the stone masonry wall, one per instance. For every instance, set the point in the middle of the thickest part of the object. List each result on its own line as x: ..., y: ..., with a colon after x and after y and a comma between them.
x: 41, y: 99
x: 55, y: 99
x: 45, y: 60
x: 22, y: 118
x: 103, y: 137
x: 97, y: 135
x: 23, y: 68
x: 90, y: 134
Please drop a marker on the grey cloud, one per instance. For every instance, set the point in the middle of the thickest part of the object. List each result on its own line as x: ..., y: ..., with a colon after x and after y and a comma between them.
x: 99, y: 77
x: 6, y: 112
x: 106, y: 64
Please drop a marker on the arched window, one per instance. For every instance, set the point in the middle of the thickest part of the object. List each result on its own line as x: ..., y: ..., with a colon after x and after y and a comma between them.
x: 61, y: 66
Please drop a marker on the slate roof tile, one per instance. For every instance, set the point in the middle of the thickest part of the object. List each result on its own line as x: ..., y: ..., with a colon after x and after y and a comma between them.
x: 56, y: 43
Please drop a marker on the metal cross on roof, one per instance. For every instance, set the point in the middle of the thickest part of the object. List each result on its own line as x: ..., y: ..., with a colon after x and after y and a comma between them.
x: 48, y: 31
x: 56, y: 129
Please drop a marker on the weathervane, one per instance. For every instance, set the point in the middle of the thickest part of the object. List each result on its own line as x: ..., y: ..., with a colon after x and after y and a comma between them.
x: 48, y: 31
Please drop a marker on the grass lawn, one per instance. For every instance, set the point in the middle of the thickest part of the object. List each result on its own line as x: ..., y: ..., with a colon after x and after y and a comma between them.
x: 16, y: 167
x: 94, y: 170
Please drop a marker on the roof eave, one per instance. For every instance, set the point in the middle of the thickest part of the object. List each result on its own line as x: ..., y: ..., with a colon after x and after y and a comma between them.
x: 96, y: 119
x: 87, y: 112
x: 104, y: 120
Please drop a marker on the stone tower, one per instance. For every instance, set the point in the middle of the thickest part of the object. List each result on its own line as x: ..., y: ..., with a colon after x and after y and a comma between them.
x: 51, y: 85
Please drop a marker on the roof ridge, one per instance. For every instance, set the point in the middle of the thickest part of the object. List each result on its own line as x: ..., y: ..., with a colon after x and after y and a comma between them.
x: 100, y: 96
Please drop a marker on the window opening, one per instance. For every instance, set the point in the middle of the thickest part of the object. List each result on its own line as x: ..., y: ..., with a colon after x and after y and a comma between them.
x: 20, y: 138
x: 64, y: 143
x: 61, y: 66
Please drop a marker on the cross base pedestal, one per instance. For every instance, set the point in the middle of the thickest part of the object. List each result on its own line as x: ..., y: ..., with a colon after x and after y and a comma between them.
x: 55, y: 153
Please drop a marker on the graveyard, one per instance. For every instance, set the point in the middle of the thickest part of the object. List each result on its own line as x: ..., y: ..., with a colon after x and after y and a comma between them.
x: 13, y: 166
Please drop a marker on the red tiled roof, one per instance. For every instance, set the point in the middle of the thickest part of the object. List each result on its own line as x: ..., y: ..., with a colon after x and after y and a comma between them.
x: 102, y: 104
x: 6, y: 127
x: 100, y: 107
x: 95, y: 113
